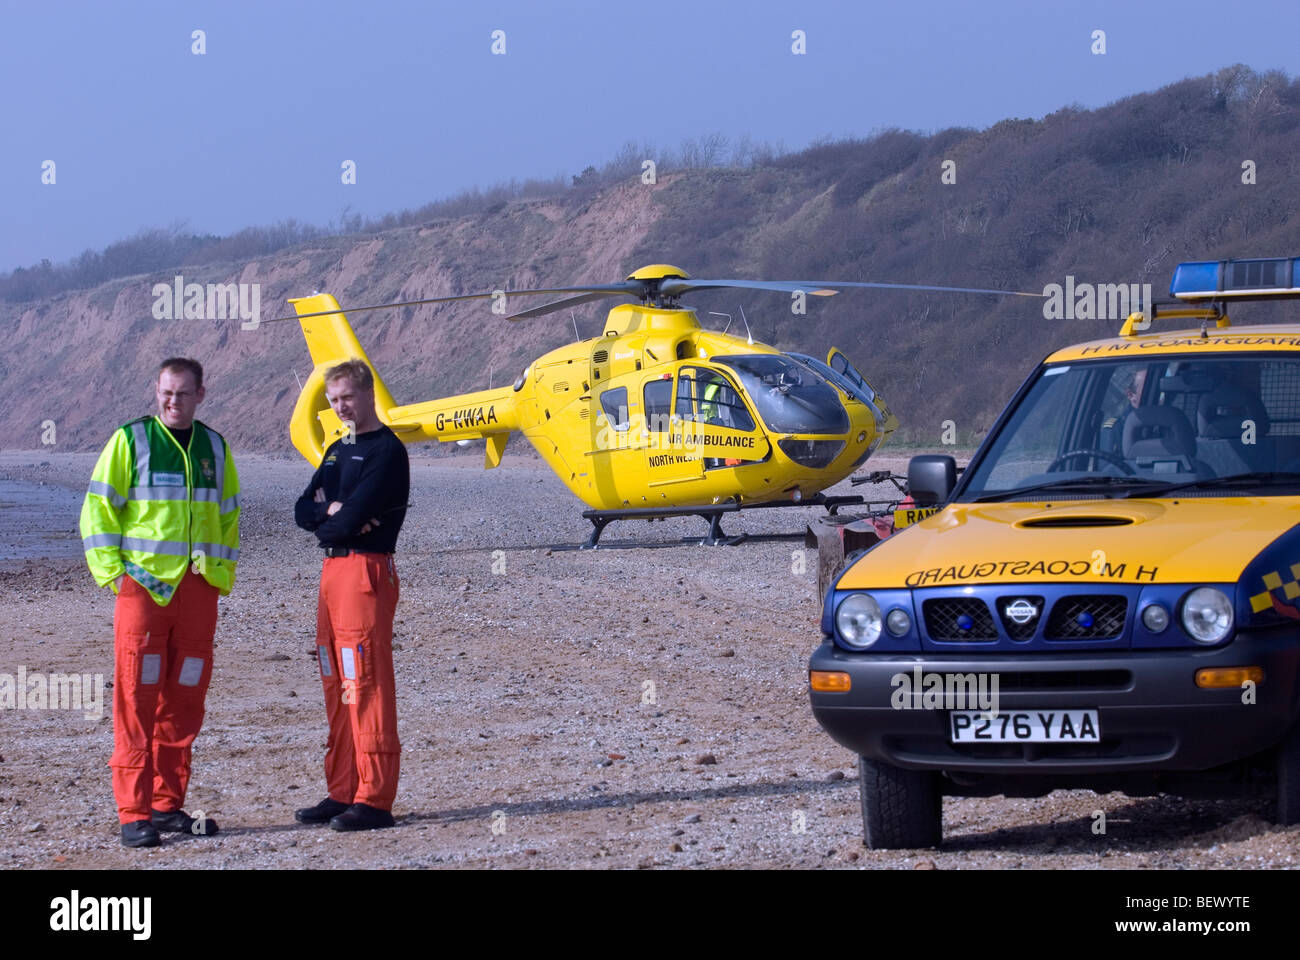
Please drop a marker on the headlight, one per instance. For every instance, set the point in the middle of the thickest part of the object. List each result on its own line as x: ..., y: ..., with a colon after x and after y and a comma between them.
x: 858, y: 620
x: 1207, y: 615
x: 1155, y: 617
x: 898, y: 622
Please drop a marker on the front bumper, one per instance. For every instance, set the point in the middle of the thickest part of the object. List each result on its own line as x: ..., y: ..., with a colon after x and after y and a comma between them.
x: 1152, y: 715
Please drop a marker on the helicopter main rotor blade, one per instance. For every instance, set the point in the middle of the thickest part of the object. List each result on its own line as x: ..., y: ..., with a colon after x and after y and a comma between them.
x: 816, y: 288
x: 555, y: 305
x: 672, y: 287
x: 921, y: 286
x: 630, y: 287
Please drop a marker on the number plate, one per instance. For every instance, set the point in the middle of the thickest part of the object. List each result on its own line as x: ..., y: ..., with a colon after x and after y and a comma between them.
x: 907, y: 517
x: 1025, y: 726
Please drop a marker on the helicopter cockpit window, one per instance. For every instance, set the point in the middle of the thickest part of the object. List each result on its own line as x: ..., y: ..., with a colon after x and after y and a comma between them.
x: 658, y: 396
x: 857, y: 388
x: 790, y: 398
x: 706, y: 396
x: 614, y: 403
x: 841, y: 367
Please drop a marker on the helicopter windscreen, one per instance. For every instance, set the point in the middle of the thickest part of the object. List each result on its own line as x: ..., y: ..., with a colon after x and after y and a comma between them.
x: 790, y: 398
x: 862, y: 393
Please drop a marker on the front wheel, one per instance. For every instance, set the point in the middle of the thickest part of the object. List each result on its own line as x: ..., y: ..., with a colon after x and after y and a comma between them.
x: 901, y: 809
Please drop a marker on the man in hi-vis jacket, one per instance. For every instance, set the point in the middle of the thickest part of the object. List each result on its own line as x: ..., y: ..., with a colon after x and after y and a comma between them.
x: 160, y: 525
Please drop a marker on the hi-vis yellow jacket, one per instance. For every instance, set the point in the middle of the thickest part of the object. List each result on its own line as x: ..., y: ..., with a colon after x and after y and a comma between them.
x: 153, y: 509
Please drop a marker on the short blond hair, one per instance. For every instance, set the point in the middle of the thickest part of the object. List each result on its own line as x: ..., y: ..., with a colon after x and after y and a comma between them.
x: 358, y: 371
x: 183, y: 365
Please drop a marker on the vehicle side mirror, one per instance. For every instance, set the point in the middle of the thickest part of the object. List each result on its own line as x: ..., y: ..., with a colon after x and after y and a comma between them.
x: 931, y: 478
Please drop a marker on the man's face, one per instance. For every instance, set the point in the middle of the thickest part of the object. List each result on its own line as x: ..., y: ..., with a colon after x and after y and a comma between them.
x: 350, y: 403
x: 1134, y: 392
x: 178, y: 398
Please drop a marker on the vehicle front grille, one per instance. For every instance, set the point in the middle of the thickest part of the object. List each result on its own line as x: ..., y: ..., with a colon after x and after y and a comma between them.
x: 959, y: 618
x: 1087, y: 617
x: 1017, y: 605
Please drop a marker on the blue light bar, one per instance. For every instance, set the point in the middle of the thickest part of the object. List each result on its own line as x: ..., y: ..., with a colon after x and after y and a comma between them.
x: 1238, y: 279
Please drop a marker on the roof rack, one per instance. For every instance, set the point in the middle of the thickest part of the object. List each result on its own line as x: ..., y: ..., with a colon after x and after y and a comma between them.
x: 1173, y: 309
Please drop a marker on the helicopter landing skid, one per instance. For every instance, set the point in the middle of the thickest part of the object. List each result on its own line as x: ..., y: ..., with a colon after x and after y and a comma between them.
x: 712, y: 515
x: 715, y: 536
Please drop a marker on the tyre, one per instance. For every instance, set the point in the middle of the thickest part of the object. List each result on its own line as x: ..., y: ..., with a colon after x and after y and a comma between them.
x: 900, y: 808
x: 1288, y: 778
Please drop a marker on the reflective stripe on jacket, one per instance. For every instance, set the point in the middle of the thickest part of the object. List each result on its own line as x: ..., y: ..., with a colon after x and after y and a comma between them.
x: 152, y: 509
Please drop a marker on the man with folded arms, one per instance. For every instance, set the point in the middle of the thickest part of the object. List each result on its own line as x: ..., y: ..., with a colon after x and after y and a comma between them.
x: 355, y: 504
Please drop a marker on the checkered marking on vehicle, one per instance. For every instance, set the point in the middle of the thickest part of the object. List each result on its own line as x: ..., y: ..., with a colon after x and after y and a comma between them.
x: 1273, y: 581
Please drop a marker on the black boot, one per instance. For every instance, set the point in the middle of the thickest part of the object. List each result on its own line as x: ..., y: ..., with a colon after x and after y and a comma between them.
x: 362, y: 816
x: 177, y: 821
x: 141, y: 833
x: 323, y: 812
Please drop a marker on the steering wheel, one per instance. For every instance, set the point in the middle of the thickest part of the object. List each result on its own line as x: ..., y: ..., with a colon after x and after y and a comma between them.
x: 1093, y: 452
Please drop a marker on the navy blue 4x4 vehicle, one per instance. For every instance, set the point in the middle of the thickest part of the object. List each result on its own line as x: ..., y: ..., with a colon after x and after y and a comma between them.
x: 1109, y: 598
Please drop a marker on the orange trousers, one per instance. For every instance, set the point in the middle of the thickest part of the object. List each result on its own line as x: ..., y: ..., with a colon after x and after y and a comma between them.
x: 354, y: 646
x: 161, y: 670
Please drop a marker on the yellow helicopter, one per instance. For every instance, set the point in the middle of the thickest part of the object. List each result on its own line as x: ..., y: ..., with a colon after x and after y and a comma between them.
x: 657, y: 416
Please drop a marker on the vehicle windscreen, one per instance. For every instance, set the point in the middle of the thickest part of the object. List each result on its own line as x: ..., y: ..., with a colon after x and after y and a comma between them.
x: 1205, y: 426
x: 790, y: 398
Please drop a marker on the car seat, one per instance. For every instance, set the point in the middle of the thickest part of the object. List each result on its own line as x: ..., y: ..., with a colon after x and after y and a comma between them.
x: 1160, y: 440
x: 1219, y: 418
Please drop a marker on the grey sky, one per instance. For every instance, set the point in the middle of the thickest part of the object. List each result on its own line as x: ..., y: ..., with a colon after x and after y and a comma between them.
x: 145, y: 133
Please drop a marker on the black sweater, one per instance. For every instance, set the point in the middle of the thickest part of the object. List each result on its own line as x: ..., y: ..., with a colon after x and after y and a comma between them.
x: 371, y: 477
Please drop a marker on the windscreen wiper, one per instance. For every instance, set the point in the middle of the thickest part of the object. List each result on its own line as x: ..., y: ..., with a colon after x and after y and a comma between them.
x: 1257, y: 478
x: 1066, y: 483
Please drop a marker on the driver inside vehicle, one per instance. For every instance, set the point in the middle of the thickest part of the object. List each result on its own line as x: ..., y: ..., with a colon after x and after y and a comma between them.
x: 1112, y: 428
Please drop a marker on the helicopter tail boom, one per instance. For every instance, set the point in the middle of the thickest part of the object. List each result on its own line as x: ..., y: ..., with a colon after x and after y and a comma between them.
x: 489, y: 415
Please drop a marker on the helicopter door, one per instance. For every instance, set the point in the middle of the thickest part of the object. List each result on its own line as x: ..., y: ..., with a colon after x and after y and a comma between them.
x: 617, y: 457
x: 840, y: 364
x: 666, y: 460
x: 711, y: 421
